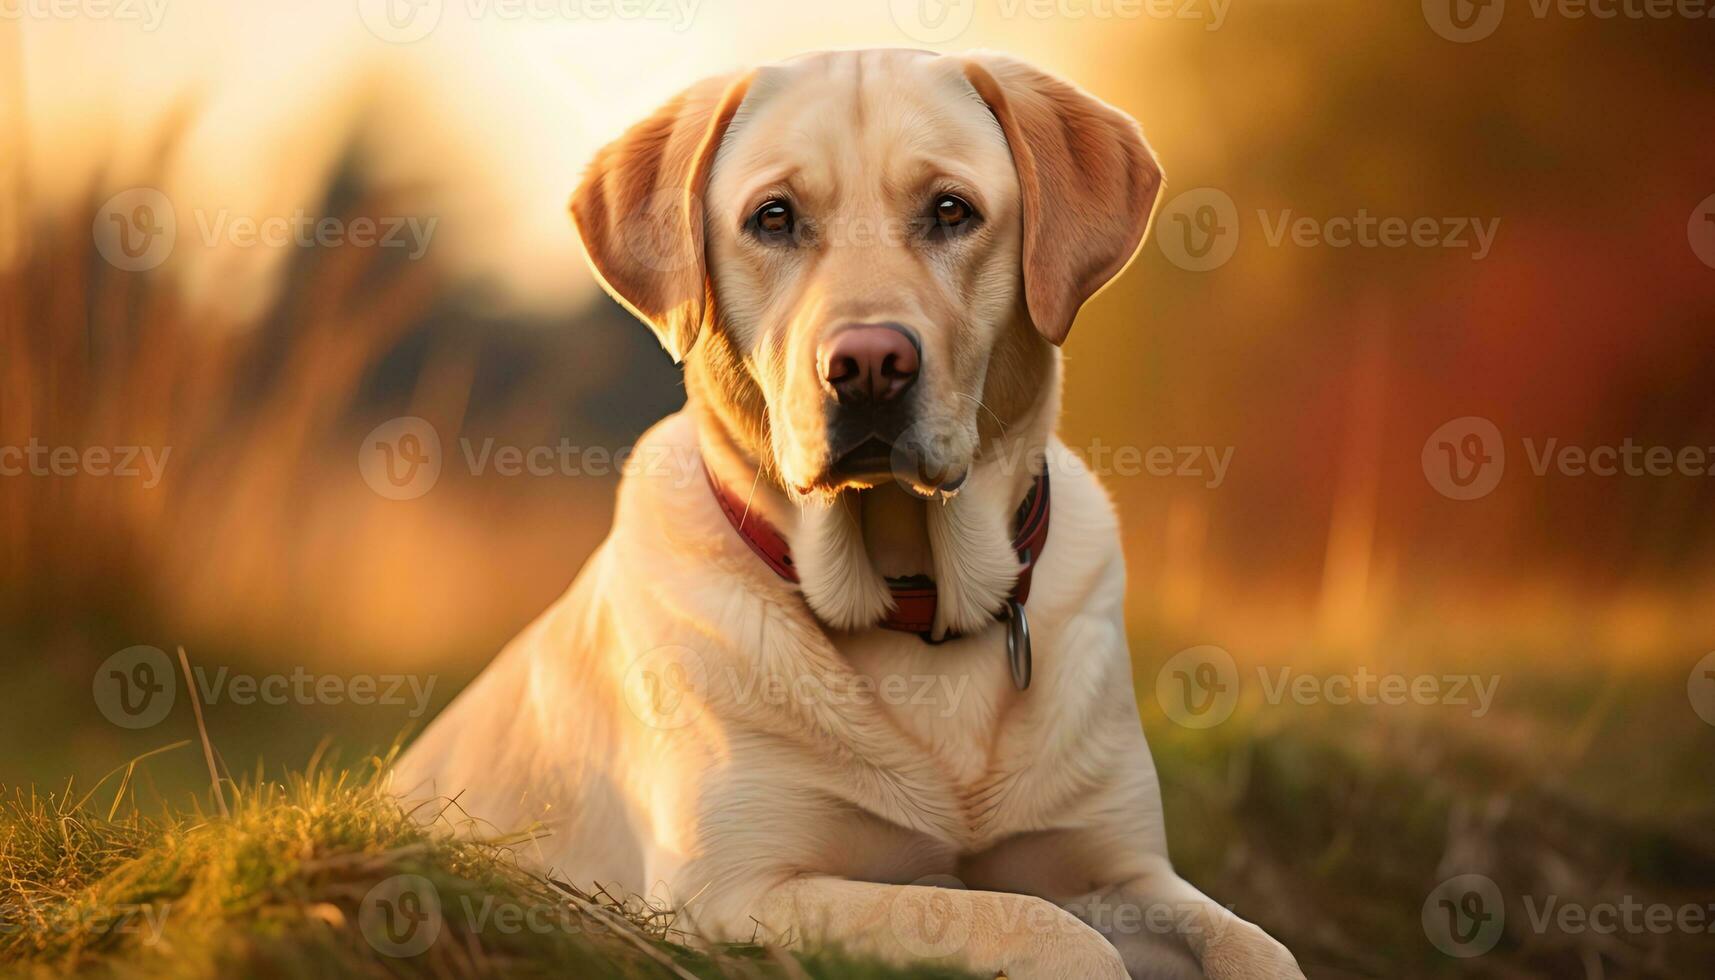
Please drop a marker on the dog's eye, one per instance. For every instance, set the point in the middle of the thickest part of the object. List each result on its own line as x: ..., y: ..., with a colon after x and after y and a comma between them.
x: 952, y: 214
x: 773, y: 222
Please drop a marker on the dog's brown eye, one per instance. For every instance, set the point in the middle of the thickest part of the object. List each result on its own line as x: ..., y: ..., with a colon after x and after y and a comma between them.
x: 951, y: 212
x: 773, y: 221
x: 950, y: 217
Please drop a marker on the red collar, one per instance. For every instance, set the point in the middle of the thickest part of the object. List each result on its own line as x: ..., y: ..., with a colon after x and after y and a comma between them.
x: 913, y: 598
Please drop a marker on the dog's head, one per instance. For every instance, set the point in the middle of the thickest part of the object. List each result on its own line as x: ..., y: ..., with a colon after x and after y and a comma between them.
x: 865, y: 254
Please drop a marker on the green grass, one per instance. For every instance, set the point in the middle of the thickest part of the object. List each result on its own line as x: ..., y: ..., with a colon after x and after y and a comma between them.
x: 296, y: 882
x: 1330, y: 827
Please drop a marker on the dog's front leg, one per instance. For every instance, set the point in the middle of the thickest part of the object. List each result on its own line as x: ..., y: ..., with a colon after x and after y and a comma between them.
x: 987, y: 932
x: 1168, y: 930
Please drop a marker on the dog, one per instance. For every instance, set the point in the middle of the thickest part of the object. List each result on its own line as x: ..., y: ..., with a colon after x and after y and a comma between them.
x: 851, y: 667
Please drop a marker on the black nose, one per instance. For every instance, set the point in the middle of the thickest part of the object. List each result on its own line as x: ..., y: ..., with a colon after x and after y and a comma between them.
x: 869, y: 362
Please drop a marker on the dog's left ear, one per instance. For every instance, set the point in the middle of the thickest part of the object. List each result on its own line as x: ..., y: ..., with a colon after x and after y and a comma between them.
x: 639, y: 209
x: 1087, y: 179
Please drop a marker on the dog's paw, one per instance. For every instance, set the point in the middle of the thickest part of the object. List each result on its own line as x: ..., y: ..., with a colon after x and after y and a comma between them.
x: 1245, y: 952
x: 1095, y: 961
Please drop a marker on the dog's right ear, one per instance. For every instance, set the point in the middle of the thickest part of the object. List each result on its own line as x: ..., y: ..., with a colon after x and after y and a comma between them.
x: 639, y: 209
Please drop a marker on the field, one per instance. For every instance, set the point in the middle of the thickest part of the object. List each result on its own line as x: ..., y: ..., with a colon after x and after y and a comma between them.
x: 1331, y: 834
x: 1432, y: 734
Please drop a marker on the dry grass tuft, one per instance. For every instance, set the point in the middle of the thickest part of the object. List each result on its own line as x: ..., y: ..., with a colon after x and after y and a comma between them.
x: 90, y: 884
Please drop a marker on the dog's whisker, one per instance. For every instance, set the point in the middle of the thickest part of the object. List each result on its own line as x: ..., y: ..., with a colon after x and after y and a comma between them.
x: 984, y: 407
x: 754, y: 483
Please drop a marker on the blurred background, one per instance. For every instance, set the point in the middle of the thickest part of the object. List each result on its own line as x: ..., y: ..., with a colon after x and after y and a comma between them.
x: 238, y: 240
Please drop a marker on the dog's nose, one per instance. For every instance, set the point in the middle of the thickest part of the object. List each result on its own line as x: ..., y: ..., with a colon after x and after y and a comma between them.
x: 871, y: 362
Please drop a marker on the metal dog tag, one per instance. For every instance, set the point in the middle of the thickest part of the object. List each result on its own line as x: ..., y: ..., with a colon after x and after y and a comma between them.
x: 1018, y: 643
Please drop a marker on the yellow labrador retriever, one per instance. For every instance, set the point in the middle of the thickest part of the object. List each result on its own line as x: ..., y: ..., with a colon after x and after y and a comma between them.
x: 851, y: 667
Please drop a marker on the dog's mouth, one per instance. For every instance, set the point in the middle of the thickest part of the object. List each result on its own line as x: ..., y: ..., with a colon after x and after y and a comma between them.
x: 867, y: 464
x: 874, y: 461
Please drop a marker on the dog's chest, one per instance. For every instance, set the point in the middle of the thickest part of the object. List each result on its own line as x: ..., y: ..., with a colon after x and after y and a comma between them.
x: 948, y: 699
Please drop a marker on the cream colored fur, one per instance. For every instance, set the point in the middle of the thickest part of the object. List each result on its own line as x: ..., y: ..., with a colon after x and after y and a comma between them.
x: 685, y: 725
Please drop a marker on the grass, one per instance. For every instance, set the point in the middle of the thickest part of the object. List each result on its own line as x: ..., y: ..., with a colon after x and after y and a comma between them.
x: 1328, y: 826
x: 298, y: 881
x: 1586, y: 786
x: 1331, y: 827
